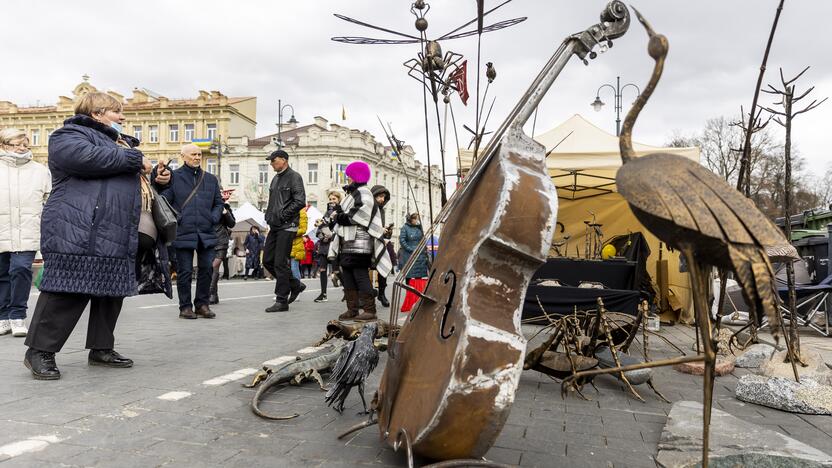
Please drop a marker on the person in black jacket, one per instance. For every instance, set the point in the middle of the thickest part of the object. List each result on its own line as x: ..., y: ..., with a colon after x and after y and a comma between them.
x: 324, y: 235
x: 223, y: 230
x: 286, y: 198
x: 195, y: 194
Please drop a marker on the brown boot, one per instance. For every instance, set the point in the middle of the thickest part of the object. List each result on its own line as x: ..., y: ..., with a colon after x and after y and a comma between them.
x: 187, y: 313
x: 351, y: 296
x: 205, y: 312
x: 368, y: 303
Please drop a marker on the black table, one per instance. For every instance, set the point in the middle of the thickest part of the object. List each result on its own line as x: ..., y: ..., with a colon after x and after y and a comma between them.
x: 614, y: 274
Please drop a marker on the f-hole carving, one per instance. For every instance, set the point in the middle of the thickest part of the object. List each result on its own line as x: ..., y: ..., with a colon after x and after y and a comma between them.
x: 450, y: 276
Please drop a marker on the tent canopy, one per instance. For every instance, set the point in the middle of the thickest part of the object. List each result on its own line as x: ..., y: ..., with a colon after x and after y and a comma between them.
x: 583, y: 165
x: 584, y: 159
x: 246, y: 212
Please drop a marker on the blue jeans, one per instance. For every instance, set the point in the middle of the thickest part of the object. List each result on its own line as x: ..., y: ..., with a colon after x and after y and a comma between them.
x: 296, y: 269
x: 15, y: 283
x: 184, y: 273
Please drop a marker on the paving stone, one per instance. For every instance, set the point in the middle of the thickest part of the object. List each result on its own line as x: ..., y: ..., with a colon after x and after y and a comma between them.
x: 733, y: 442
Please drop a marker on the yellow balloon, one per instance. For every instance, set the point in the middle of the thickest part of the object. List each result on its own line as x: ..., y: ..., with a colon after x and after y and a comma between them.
x: 608, y: 252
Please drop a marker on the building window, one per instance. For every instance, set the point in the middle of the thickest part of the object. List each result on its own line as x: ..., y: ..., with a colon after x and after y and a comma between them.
x: 235, y: 173
x: 264, y: 173
x: 211, y: 166
x: 189, y: 132
x: 173, y: 165
x: 212, y: 131
x: 153, y: 133
x: 173, y: 132
x: 340, y: 178
x: 35, y: 137
x: 137, y: 132
x: 312, y: 175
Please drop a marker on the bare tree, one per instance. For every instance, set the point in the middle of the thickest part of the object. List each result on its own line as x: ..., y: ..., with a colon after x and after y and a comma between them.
x: 258, y: 194
x: 784, y: 117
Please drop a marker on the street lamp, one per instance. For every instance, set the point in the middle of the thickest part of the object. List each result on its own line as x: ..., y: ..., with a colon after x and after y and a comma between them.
x: 292, y: 120
x: 597, y: 104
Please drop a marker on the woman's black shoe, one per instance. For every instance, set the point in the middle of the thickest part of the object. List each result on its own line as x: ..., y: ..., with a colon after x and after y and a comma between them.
x: 108, y: 358
x: 42, y: 364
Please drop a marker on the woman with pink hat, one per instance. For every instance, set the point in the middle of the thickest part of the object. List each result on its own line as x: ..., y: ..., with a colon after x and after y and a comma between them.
x: 358, y: 243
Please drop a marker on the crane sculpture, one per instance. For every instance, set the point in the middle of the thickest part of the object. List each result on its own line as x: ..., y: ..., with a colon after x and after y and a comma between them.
x: 709, y: 222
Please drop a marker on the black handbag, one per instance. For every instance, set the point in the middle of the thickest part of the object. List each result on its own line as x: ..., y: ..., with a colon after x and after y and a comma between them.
x: 164, y: 217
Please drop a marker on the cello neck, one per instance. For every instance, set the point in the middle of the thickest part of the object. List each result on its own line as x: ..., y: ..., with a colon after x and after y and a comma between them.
x: 615, y: 20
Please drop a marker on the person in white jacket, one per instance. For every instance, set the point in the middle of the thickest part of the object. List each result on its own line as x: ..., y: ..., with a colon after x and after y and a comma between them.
x: 24, y: 187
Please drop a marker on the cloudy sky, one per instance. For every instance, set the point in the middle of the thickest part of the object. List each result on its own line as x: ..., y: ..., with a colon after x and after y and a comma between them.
x: 282, y: 50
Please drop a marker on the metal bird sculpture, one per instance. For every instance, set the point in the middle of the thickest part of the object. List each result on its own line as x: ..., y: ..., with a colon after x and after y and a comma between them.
x: 356, y: 362
x: 490, y: 72
x: 709, y: 222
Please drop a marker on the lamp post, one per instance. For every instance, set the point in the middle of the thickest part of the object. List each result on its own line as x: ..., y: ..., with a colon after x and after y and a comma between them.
x: 292, y: 120
x: 597, y: 104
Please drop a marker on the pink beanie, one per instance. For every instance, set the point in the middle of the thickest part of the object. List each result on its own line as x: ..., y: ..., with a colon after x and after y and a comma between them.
x: 359, y: 171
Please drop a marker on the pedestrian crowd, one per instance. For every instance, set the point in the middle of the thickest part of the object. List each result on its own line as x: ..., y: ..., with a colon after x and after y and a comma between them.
x: 109, y: 224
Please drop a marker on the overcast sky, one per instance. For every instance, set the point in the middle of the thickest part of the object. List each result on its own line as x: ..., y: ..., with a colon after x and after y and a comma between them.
x: 282, y: 50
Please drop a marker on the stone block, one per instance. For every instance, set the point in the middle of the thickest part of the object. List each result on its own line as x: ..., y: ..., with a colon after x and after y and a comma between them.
x: 723, y: 366
x: 816, y: 368
x: 733, y: 442
x: 807, y: 397
x: 754, y: 356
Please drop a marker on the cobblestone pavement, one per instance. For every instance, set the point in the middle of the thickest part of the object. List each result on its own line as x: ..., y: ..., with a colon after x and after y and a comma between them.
x: 183, y: 403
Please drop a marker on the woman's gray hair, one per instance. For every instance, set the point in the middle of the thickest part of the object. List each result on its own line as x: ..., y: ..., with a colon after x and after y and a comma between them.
x: 9, y: 134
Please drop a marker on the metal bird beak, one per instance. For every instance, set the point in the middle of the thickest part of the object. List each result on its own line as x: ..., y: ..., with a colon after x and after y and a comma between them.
x: 650, y: 31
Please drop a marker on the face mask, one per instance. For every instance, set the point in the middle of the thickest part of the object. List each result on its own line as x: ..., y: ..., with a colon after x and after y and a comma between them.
x: 331, y: 205
x: 117, y: 126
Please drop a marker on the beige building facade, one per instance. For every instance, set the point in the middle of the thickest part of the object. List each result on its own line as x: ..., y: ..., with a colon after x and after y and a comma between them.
x: 162, y: 124
x: 319, y: 152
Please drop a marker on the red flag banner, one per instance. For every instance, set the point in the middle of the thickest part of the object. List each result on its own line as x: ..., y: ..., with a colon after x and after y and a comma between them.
x: 459, y: 81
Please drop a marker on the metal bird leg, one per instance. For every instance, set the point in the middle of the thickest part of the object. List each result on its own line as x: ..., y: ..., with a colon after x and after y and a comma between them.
x: 699, y: 279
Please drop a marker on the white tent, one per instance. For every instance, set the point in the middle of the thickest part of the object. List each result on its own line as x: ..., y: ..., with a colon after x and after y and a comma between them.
x: 584, y: 158
x: 247, y: 211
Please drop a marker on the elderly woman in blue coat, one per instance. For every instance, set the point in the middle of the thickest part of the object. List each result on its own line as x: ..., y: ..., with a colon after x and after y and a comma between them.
x: 94, y: 227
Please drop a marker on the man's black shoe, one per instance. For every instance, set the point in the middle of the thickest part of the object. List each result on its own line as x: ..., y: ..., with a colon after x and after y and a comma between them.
x: 296, y: 292
x: 108, y: 358
x: 213, y: 299
x: 42, y: 364
x: 278, y: 307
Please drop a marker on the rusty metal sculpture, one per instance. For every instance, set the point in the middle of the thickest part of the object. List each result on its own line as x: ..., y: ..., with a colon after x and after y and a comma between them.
x: 584, y: 340
x: 697, y: 213
x: 452, y: 372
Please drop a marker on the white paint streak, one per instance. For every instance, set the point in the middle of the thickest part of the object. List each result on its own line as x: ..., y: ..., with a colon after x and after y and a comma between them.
x: 32, y: 444
x: 279, y: 361
x: 487, y: 332
x: 174, y: 396
x: 310, y: 349
x: 224, y: 379
x: 505, y: 378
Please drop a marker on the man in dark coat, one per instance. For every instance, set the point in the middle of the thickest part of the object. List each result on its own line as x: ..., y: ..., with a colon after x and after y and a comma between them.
x: 286, y: 198
x: 195, y: 195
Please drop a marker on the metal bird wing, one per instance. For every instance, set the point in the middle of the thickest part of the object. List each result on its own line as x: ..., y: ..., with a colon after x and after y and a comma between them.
x: 686, y: 203
x: 357, y: 360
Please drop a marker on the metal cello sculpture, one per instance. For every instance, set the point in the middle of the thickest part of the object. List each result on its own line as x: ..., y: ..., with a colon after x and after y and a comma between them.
x: 452, y: 372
